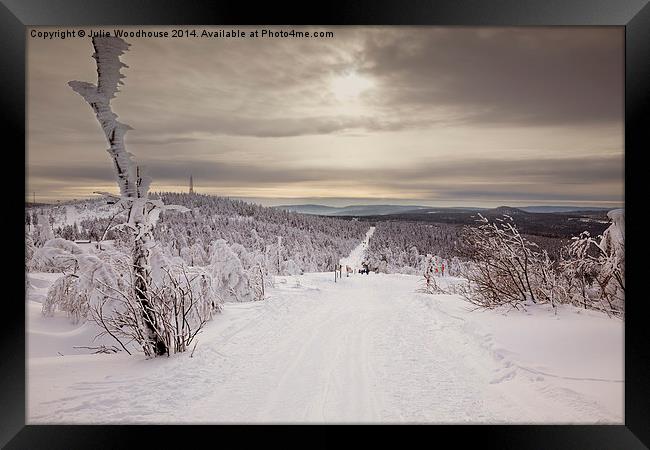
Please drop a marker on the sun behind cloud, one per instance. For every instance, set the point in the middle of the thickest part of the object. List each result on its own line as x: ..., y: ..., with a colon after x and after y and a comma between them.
x: 349, y: 86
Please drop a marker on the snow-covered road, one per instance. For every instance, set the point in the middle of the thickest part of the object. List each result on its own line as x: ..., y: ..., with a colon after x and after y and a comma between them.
x: 368, y: 348
x: 357, y: 255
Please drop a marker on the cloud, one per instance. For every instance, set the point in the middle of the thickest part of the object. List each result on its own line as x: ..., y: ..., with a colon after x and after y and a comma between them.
x: 451, y: 111
x: 533, y: 76
x: 535, y: 171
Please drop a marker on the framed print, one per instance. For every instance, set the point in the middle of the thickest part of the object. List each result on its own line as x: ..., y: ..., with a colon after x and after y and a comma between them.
x: 366, y: 213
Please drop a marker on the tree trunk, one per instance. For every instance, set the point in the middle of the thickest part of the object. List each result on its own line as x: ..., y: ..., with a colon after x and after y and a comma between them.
x: 142, y: 277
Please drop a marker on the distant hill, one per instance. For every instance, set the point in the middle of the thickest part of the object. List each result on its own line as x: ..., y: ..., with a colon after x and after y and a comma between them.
x: 319, y: 210
x: 381, y: 210
x: 507, y: 210
x: 548, y: 224
x: 353, y: 210
x: 561, y: 209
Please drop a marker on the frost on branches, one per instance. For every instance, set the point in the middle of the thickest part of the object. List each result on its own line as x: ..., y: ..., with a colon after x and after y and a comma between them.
x: 430, y: 283
x: 594, y: 269
x: 142, y: 212
x: 182, y: 300
x: 83, y: 274
x: 43, y: 230
x: 232, y: 281
x: 506, y: 269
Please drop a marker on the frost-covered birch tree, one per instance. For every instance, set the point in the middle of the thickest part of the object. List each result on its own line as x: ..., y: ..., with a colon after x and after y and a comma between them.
x: 142, y: 212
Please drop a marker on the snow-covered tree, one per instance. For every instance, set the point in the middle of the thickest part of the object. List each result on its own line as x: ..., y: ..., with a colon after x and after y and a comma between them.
x: 259, y: 277
x: 142, y: 211
x: 307, y: 240
x: 83, y: 274
x: 30, y: 248
x: 399, y: 247
x: 593, y: 269
x: 56, y: 255
x: 613, y: 247
x: 232, y: 282
x: 43, y: 231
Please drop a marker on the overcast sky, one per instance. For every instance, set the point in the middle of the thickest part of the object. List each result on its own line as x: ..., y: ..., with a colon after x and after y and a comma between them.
x: 417, y: 115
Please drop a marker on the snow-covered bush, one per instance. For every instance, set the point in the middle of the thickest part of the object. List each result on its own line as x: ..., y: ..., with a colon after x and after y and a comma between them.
x: 65, y: 294
x: 194, y: 255
x: 430, y: 283
x: 612, y: 245
x: 43, y: 231
x: 259, y: 277
x: 30, y: 248
x: 181, y: 301
x: 258, y: 282
x: 245, y: 257
x: 200, y: 280
x: 56, y: 255
x: 231, y: 280
x: 507, y: 269
x: 593, y: 270
x: 455, y: 266
x: 77, y: 290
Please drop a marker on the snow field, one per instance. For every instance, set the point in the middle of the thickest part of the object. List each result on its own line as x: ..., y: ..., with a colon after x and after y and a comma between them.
x: 366, y: 349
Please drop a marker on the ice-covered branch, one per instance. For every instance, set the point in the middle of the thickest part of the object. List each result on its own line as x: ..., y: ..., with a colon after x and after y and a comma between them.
x: 134, y: 186
x: 108, y: 50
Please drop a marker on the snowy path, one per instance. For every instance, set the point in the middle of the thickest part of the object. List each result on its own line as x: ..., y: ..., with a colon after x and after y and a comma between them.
x: 356, y: 257
x: 366, y: 349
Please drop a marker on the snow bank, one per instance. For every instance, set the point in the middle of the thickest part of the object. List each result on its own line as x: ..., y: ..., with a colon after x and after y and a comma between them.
x: 571, y: 350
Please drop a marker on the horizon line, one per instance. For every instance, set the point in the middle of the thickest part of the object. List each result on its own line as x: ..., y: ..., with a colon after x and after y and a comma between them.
x: 370, y: 201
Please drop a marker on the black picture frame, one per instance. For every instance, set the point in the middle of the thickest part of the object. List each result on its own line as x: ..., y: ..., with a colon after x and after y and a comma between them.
x: 633, y: 15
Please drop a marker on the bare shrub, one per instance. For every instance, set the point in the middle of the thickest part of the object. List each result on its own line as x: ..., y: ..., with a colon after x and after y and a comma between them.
x: 430, y: 283
x: 180, y: 305
x: 507, y: 269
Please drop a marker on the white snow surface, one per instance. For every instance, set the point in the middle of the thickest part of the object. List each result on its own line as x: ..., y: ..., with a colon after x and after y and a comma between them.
x: 366, y: 349
x: 358, y: 254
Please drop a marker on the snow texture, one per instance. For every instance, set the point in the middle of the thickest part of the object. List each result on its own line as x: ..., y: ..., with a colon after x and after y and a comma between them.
x: 366, y: 349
